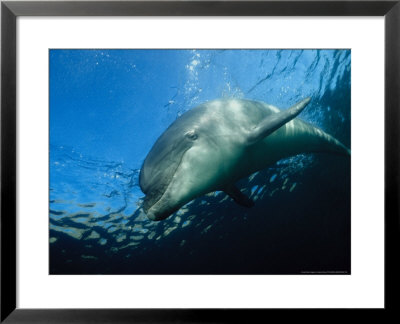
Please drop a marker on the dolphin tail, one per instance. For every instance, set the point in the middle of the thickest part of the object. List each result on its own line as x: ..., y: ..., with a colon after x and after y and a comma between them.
x: 339, y: 148
x: 330, y: 144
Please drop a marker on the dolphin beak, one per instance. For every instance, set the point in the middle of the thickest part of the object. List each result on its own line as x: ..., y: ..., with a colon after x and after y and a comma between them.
x: 151, y: 216
x: 158, y: 216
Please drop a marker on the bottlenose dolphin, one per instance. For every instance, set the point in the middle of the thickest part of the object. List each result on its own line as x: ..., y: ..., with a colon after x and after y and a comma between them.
x: 215, y: 144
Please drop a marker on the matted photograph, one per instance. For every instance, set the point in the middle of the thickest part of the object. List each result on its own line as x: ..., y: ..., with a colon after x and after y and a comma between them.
x: 200, y: 161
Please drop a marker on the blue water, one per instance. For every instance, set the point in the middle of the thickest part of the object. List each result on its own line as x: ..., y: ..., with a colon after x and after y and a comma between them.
x: 108, y: 107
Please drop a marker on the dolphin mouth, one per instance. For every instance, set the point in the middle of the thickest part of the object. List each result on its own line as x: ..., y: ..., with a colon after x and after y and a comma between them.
x: 155, y: 197
x: 156, y: 188
x: 156, y: 191
x: 152, y: 198
x: 156, y: 203
x: 160, y: 216
x: 160, y: 212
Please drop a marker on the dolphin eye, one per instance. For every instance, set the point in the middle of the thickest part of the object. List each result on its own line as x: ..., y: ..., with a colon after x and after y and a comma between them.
x: 191, y: 135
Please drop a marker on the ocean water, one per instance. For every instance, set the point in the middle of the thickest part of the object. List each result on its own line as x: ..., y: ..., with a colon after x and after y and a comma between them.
x: 108, y: 107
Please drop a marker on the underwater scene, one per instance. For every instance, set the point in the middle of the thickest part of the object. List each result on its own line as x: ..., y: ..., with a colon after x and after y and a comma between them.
x: 199, y: 161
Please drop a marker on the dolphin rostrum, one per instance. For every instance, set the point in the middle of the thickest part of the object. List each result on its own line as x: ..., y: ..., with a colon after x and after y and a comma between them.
x: 215, y: 144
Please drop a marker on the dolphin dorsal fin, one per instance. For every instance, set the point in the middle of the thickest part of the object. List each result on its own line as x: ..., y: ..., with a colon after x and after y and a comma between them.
x: 274, y: 121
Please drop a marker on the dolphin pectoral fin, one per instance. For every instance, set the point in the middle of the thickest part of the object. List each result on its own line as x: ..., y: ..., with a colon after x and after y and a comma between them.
x: 275, y: 121
x: 238, y: 196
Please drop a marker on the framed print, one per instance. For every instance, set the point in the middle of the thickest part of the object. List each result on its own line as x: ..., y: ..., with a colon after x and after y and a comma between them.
x: 115, y: 222
x: 196, y: 172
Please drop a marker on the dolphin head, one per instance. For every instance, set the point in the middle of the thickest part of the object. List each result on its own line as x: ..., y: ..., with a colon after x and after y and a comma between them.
x: 179, y: 167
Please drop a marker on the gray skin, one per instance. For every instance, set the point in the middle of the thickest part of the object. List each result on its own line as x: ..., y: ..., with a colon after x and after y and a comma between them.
x: 212, y: 146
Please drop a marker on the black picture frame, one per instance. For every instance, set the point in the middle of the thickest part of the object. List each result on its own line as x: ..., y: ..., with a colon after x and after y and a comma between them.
x: 10, y: 10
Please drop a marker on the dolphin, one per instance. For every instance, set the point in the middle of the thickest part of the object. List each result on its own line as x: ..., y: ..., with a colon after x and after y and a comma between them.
x: 215, y: 144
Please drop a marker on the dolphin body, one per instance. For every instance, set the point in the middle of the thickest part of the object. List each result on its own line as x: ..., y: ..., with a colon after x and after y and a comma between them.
x: 215, y: 144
